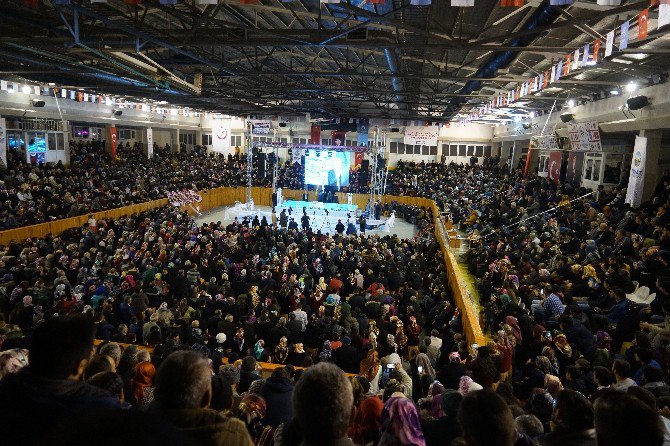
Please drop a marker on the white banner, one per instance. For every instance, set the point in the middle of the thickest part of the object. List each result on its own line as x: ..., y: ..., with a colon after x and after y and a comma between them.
x: 221, y: 135
x: 421, y: 136
x: 261, y: 128
x: 3, y: 142
x: 150, y: 142
x: 585, y: 136
x: 637, y: 171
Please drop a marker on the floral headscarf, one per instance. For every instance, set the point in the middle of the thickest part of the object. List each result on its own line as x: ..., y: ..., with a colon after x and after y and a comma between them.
x: 11, y: 361
x: 401, y: 425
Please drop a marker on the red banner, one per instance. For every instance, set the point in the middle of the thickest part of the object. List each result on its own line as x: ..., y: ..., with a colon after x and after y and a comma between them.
x: 555, y: 159
x: 596, y: 49
x: 359, y: 158
x: 642, y: 19
x: 574, y: 172
x: 112, y: 139
x: 315, y: 134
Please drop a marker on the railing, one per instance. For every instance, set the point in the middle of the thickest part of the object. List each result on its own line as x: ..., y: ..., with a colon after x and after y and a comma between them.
x: 223, y: 196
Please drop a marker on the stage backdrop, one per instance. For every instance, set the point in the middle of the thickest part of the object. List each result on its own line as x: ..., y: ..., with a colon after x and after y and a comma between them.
x: 327, y: 168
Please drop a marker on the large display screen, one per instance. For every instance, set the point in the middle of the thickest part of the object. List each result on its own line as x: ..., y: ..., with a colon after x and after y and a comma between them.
x: 327, y: 168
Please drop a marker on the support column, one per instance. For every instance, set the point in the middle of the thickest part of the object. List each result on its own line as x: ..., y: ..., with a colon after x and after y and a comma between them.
x: 651, y: 176
x: 176, y: 147
x: 149, y: 149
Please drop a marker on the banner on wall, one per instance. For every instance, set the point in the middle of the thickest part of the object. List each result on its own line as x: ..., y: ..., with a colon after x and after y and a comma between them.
x: 359, y: 158
x: 338, y: 138
x: 637, y: 172
x: 575, y: 163
x: 421, y: 136
x: 315, y: 134
x: 555, y: 160
x: 221, y: 135
x: 261, y: 128
x: 150, y: 142
x: 585, y: 136
x: 112, y: 139
x: 3, y: 142
x: 363, y: 130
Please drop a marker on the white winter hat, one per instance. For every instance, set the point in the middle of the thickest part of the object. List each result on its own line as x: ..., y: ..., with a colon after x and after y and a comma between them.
x: 220, y: 338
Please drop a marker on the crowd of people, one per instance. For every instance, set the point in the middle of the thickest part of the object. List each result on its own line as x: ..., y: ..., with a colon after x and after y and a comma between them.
x: 573, y: 290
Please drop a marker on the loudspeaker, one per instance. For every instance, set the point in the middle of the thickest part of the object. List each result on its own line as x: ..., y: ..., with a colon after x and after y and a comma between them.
x: 637, y: 102
x: 282, y: 124
x: 567, y: 117
x: 365, y: 165
x: 38, y: 103
x: 394, y: 130
x: 117, y: 112
x: 526, y: 125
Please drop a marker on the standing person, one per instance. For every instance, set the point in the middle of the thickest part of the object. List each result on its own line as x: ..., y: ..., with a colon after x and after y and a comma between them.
x: 362, y: 222
x: 283, y: 219
x: 339, y: 227
x: 304, y: 221
x: 486, y: 420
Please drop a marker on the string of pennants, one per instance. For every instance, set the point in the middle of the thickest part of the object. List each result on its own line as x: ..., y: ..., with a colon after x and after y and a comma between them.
x: 588, y: 55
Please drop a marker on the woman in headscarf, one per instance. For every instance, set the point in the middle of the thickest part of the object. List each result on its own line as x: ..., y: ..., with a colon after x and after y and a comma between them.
x: 563, y: 351
x: 252, y: 411
x: 467, y: 385
x: 371, y: 369
x: 281, y: 351
x: 141, y: 393
x: 424, y: 376
x: 401, y: 425
x: 373, y: 334
x: 259, y: 351
x: 516, y: 331
x: 366, y: 425
x: 326, y: 353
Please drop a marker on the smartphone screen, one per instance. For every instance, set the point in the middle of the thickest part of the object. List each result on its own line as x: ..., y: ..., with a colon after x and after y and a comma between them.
x: 420, y: 369
x: 391, y: 366
x: 475, y: 346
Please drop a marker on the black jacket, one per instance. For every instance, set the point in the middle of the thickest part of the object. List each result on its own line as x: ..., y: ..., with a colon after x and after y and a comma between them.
x: 278, y: 393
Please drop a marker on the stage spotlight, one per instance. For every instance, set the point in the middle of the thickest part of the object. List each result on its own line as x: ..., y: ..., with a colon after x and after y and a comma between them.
x: 567, y: 117
x: 631, y: 87
x: 637, y: 102
x: 614, y: 92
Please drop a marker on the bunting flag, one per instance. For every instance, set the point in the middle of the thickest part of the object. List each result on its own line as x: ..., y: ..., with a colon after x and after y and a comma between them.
x: 577, y: 61
x: 463, y: 3
x: 568, y: 62
x: 596, y: 49
x: 664, y: 13
x: 642, y: 22
x: 545, y: 79
x: 560, y: 2
x: 553, y: 73
x: 609, y: 2
x: 585, y: 58
x: 412, y: 2
x: 623, y: 39
x: 208, y: 2
x: 609, y: 43
x: 512, y: 3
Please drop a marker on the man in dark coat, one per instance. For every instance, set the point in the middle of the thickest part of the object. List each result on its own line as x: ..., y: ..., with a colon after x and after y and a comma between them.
x: 347, y: 357
x: 278, y: 393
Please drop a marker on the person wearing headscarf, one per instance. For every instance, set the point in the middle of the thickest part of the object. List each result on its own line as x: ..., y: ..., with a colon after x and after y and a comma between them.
x: 141, y: 393
x: 12, y: 361
x: 424, y: 376
x: 467, y: 385
x: 326, y: 353
x: 450, y: 373
x: 252, y: 412
x: 371, y: 369
x: 259, y: 351
x: 281, y: 351
x: 366, y: 425
x: 446, y: 428
x: 516, y: 331
x: 400, y: 424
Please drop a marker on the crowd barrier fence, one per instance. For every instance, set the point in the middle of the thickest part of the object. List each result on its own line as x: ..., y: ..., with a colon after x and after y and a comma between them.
x: 223, y: 196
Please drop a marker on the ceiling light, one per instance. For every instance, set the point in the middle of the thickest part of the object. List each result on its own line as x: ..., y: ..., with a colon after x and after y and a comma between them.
x: 25, y: 89
x: 631, y: 87
x: 571, y: 103
x: 532, y: 114
x: 614, y: 92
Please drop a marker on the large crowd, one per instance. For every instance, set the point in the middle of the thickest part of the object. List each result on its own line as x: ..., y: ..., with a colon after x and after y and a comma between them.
x: 573, y: 296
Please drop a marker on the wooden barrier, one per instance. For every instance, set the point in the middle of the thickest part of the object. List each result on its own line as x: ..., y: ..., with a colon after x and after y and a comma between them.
x: 223, y: 196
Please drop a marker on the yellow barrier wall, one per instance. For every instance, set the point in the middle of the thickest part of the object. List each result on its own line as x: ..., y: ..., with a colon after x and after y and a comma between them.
x: 223, y: 196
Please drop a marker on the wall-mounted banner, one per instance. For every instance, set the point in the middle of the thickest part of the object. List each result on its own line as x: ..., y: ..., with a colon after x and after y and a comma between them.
x: 585, y: 136
x: 150, y: 143
x: 3, y: 142
x: 555, y: 160
x: 338, y: 138
x: 221, y: 135
x: 637, y: 172
x: 421, y: 136
x: 261, y: 128
x: 547, y: 142
x: 315, y: 134
x: 363, y: 130
x: 112, y: 139
x: 574, y: 172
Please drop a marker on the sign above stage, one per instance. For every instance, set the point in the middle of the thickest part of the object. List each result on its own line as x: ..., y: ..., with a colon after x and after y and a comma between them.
x: 421, y: 135
x: 288, y: 145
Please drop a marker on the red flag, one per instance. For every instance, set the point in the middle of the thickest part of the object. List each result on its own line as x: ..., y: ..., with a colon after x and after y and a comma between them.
x: 653, y: 3
x: 566, y: 65
x: 359, y: 158
x: 112, y: 139
x: 596, y: 48
x: 642, y: 19
x: 545, y: 79
x: 517, y: 92
x: 315, y: 134
x: 512, y: 3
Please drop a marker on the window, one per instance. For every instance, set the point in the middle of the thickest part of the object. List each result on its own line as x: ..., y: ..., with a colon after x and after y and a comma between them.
x: 461, y: 150
x: 589, y: 169
x: 425, y: 150
x: 417, y: 150
x: 453, y: 150
x: 325, y: 141
x: 236, y: 140
x: 55, y: 141
x: 97, y: 133
x: 394, y: 147
x: 487, y: 151
x: 126, y: 133
x: 596, y: 169
x: 613, y: 165
x: 187, y: 138
x: 206, y: 139
x: 479, y: 150
x: 80, y: 132
x: 471, y: 150
x: 432, y: 150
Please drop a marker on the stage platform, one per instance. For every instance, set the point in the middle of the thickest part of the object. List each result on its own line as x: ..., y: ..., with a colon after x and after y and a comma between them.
x: 318, y: 208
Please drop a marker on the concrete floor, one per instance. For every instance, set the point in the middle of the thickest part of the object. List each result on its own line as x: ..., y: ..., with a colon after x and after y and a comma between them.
x: 402, y: 228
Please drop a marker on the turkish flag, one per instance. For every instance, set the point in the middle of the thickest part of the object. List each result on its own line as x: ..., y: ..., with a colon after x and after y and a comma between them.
x: 555, y: 158
x: 112, y: 138
x: 359, y: 158
x: 315, y: 134
x: 568, y: 62
x: 642, y: 19
x: 596, y: 48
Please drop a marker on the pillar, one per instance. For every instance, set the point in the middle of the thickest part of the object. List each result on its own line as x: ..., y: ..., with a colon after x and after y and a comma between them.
x: 149, y: 145
x: 651, y: 175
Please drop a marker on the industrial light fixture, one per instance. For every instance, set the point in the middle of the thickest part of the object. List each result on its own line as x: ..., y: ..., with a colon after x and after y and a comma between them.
x: 567, y: 116
x: 614, y: 92
x: 117, y: 112
x: 631, y: 87
x: 637, y: 102
x: 571, y: 103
